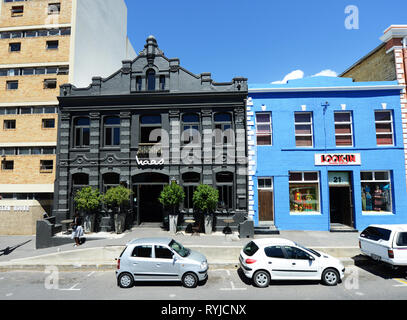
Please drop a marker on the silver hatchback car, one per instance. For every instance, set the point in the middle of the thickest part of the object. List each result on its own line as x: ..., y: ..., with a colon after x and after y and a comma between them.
x: 160, y: 259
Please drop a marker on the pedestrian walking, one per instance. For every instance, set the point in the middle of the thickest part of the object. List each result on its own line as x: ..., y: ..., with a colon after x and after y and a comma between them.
x: 77, y: 229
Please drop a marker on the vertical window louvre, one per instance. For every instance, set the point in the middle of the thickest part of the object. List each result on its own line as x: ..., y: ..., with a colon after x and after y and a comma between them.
x: 303, y: 129
x: 343, y: 129
x: 384, y: 128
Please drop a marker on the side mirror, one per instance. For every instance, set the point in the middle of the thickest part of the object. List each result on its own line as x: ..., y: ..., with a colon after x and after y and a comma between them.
x: 311, y: 258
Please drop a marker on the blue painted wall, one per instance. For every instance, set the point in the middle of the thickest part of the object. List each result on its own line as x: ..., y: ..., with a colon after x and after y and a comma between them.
x: 283, y: 156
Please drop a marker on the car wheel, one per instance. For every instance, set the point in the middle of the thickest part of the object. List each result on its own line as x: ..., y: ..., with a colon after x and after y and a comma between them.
x: 330, y: 277
x: 126, y: 280
x: 261, y: 279
x: 190, y: 280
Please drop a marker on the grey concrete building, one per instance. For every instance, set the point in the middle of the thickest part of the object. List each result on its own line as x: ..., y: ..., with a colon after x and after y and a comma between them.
x: 150, y: 123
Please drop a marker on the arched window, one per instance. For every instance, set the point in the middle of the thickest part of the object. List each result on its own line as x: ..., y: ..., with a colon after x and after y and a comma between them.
x: 80, y: 180
x: 162, y: 82
x: 190, y: 128
x: 112, y: 131
x: 223, y: 128
x: 81, y: 132
x: 110, y: 180
x: 150, y: 76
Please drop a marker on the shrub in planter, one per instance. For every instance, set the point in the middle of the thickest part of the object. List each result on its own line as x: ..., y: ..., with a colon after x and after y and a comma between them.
x: 118, y: 198
x: 88, y: 200
x: 171, y: 197
x: 205, y: 200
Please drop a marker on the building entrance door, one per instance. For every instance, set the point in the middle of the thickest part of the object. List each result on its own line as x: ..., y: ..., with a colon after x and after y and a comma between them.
x: 340, y: 199
x: 146, y: 190
x: 266, y: 205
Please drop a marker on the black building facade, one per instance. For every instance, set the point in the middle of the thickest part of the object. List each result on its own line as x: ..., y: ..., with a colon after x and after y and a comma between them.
x: 150, y: 123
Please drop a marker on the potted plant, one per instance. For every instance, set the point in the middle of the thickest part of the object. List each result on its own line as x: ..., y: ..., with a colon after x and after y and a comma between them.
x: 117, y: 198
x: 171, y: 197
x: 205, y: 200
x: 87, y: 200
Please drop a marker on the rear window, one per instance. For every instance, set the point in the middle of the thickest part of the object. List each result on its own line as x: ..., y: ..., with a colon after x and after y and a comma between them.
x: 402, y: 239
x: 375, y: 233
x: 142, y: 252
x: 250, y: 249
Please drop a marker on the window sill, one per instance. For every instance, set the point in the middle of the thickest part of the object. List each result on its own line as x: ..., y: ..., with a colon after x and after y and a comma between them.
x: 306, y: 213
x: 377, y: 213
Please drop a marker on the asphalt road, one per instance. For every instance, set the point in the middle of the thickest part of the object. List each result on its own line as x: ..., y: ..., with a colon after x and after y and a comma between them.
x: 371, y: 282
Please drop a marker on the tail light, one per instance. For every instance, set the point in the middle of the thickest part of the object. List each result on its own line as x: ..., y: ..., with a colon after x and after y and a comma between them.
x: 250, y: 261
x: 118, y: 263
x: 391, y: 254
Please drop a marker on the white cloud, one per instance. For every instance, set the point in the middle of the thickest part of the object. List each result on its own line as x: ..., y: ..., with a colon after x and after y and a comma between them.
x: 326, y: 73
x: 299, y: 74
x: 296, y: 74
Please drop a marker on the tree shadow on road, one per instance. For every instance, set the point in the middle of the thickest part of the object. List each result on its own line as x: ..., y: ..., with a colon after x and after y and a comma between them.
x: 8, y: 250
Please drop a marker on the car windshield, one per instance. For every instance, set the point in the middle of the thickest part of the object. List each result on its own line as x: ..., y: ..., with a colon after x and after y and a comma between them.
x: 179, y: 248
x: 309, y: 250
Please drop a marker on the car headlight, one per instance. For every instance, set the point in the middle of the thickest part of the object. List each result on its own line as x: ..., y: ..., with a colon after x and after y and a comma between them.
x: 204, y: 265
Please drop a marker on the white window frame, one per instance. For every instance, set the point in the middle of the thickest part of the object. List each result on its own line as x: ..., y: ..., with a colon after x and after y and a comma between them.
x: 350, y: 123
x: 271, y: 188
x: 385, y: 122
x: 303, y: 181
x: 304, y: 123
x: 270, y: 123
x: 378, y: 181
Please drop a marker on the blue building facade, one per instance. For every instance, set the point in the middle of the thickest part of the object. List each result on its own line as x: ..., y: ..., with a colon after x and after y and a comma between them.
x: 326, y: 153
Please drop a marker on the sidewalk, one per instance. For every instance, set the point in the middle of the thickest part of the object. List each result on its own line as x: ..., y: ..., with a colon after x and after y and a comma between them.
x: 101, y: 249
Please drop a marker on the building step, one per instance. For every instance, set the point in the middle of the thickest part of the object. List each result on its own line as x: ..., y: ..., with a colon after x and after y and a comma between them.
x: 337, y: 227
x: 271, y: 229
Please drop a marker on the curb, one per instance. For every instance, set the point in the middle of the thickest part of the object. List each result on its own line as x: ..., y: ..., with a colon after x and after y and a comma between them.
x: 347, y: 262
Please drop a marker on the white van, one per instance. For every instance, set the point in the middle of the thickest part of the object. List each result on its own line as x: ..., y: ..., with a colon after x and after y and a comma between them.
x: 385, y: 243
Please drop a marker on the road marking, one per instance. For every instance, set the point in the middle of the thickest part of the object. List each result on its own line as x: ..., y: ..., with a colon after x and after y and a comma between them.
x: 360, y: 293
x: 71, y: 289
x: 172, y: 295
x: 403, y: 283
x: 90, y: 274
x: 9, y: 294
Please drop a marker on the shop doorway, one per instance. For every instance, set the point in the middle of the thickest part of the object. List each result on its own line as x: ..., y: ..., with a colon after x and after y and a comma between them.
x: 340, y: 199
x: 146, y: 191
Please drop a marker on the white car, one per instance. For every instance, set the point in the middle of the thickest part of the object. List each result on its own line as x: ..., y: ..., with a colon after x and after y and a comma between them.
x: 268, y: 259
x: 385, y: 243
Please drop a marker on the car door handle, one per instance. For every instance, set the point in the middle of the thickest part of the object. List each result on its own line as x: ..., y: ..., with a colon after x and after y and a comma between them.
x: 270, y: 262
x: 294, y: 264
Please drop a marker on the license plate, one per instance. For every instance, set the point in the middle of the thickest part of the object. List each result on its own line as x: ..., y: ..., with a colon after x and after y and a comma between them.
x: 376, y: 257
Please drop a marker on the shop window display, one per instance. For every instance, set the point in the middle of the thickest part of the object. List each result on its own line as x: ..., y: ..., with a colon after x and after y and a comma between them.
x: 376, y: 191
x: 304, y: 192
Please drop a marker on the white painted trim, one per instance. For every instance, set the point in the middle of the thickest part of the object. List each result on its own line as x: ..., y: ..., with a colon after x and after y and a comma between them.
x: 26, y: 188
x: 42, y: 26
x: 316, y: 89
x: 27, y: 144
x: 34, y: 65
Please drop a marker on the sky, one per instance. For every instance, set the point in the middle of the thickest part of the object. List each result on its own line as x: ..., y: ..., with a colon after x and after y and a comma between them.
x: 264, y: 40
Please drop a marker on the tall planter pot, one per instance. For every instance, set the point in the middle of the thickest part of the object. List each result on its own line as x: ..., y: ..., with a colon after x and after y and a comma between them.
x: 173, y: 223
x: 119, y: 222
x: 89, y: 222
x: 208, y: 223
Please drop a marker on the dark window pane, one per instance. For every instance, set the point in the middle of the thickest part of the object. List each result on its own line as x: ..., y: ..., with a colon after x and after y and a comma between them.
x: 86, y: 136
x: 342, y: 128
x: 274, y: 252
x: 223, y: 117
x: 116, y: 137
x: 385, y: 139
x: 142, y: 252
x: 190, y: 118
x: 382, y: 116
x: 151, y: 120
x: 295, y: 176
x: 303, y: 141
x: 264, y: 140
x: 342, y: 117
x: 163, y: 253
x: 151, y: 80
x: 344, y: 140
x: 302, y: 117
